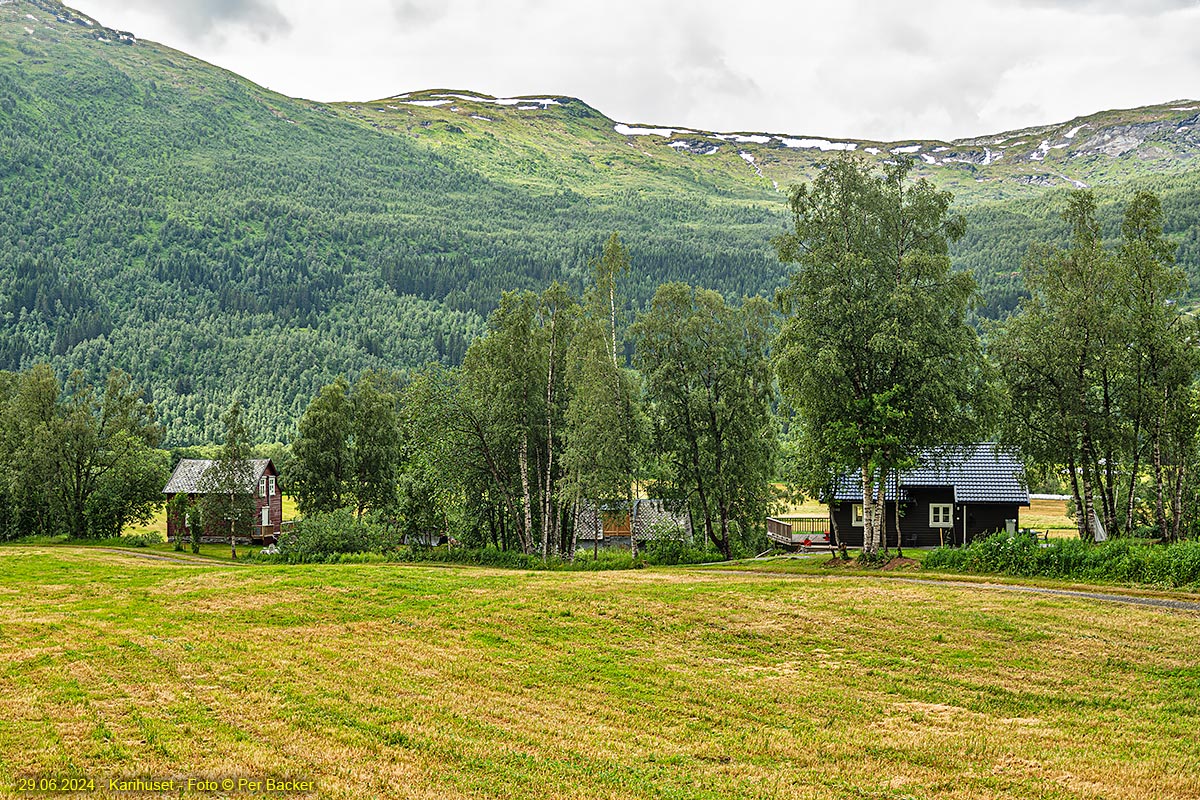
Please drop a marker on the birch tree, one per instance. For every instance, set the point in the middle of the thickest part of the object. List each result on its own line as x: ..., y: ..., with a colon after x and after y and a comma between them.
x: 875, y: 351
x: 709, y: 392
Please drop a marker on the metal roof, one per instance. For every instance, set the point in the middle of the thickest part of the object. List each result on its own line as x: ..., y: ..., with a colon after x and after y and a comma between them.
x: 189, y: 473
x: 979, y: 473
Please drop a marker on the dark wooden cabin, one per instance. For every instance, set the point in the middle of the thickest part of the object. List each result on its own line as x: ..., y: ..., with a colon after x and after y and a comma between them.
x: 956, y: 495
x: 261, y: 480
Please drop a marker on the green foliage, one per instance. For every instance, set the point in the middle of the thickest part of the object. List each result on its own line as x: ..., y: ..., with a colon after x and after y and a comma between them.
x: 210, y: 236
x: 875, y: 355
x: 76, y: 460
x: 322, y: 450
x: 670, y: 550
x: 325, y: 537
x: 1132, y: 561
x: 1100, y: 362
x: 709, y: 387
x: 177, y: 511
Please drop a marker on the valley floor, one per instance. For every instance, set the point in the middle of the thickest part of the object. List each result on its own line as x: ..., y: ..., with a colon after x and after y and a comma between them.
x: 423, y: 682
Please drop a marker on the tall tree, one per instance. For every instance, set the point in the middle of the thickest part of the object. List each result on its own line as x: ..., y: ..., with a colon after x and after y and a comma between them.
x: 606, y: 429
x: 376, y: 446
x: 709, y: 386
x: 875, y: 354
x: 108, y: 471
x: 323, y: 469
x: 28, y: 460
x: 558, y: 315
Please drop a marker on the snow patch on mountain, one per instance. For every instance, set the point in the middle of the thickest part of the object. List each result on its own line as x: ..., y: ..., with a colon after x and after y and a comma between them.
x: 749, y: 157
x: 626, y: 130
x: 818, y: 144
x: 872, y: 150
x: 522, y: 103
x: 1071, y: 133
x: 426, y: 103
x: 1040, y: 153
x: 910, y: 148
x: 742, y: 138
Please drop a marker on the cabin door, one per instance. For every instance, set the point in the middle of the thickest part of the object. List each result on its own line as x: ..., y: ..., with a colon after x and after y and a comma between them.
x: 266, y: 516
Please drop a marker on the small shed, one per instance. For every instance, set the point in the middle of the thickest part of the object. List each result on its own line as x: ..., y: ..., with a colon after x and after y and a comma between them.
x: 261, y: 480
x: 611, y: 525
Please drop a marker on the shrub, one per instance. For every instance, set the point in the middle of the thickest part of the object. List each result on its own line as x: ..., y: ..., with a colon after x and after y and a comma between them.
x: 330, y: 537
x: 675, y: 551
x: 1119, y: 560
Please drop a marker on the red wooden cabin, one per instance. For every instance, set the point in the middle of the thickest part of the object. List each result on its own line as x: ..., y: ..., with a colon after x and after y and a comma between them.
x: 262, y: 481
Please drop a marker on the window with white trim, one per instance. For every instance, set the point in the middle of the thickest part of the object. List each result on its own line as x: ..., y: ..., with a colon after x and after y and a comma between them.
x: 856, y: 515
x: 941, y: 515
x: 272, y: 480
x: 262, y: 486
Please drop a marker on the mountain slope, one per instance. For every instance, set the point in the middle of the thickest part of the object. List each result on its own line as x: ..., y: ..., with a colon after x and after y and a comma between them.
x: 216, y: 239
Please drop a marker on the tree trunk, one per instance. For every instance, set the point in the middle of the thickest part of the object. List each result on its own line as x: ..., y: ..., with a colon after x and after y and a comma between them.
x: 1080, y: 522
x: 633, y: 547
x: 896, y: 519
x: 1160, y: 513
x: 574, y: 530
x: 1177, y: 505
x: 833, y: 528
x: 869, y: 547
x: 523, y: 461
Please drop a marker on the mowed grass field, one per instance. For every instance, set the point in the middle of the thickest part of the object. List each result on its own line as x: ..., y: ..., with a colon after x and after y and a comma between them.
x: 424, y: 682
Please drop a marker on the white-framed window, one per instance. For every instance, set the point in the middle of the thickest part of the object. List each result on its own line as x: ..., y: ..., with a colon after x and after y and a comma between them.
x: 856, y: 515
x: 262, y: 486
x: 272, y: 483
x: 941, y: 515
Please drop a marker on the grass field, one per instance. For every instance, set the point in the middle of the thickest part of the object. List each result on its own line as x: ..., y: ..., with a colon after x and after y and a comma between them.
x: 422, y: 682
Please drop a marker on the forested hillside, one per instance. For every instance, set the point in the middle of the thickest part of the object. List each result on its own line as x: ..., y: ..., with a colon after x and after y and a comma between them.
x: 213, y: 238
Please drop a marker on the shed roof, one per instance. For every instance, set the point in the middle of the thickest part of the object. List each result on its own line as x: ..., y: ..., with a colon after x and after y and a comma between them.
x: 188, y: 477
x: 979, y: 473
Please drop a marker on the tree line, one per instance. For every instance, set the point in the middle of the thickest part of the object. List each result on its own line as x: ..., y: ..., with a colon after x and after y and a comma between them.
x: 866, y: 359
x: 546, y: 412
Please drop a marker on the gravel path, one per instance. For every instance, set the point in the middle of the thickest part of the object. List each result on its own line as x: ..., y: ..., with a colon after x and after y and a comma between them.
x: 1108, y: 597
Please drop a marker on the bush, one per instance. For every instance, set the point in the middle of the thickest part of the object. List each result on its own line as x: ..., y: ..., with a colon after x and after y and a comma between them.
x: 675, y: 551
x: 332, y: 538
x: 1119, y: 560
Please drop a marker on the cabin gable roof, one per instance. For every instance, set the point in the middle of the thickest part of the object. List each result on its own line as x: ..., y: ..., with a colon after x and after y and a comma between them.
x: 188, y: 477
x: 980, y: 473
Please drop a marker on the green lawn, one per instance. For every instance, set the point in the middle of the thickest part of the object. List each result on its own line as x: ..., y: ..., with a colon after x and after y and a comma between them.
x: 425, y: 682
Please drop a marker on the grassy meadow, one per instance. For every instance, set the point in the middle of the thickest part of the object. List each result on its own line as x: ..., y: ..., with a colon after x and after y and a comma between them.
x: 425, y: 682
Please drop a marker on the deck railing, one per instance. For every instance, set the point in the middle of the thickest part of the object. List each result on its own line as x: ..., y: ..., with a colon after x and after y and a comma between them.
x: 798, y: 530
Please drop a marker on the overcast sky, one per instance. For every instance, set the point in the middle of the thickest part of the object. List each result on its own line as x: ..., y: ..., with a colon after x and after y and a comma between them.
x: 872, y: 69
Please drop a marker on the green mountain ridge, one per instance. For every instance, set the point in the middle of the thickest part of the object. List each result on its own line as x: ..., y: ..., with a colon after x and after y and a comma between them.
x: 214, y: 238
